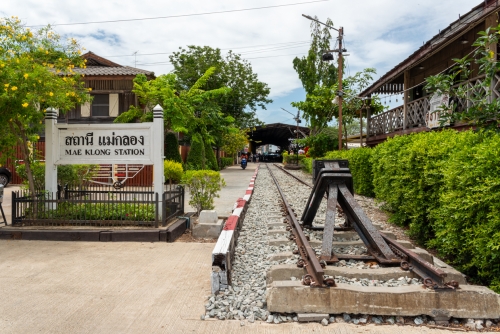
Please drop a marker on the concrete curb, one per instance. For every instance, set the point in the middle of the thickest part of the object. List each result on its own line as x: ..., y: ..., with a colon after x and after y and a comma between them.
x: 223, y: 252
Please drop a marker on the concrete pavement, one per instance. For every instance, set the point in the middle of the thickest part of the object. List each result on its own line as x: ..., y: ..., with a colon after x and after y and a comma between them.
x: 84, y: 287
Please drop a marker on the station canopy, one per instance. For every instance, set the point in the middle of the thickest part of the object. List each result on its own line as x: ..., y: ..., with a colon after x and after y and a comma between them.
x: 277, y: 134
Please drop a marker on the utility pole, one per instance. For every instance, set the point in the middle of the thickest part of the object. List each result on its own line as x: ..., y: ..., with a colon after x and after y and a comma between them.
x: 329, y: 56
x: 339, y: 93
x: 297, y: 119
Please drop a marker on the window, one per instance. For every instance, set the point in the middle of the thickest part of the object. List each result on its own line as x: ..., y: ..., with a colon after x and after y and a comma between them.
x: 100, y: 105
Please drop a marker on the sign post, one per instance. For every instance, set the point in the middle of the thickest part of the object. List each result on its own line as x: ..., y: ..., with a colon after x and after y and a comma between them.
x: 117, y: 143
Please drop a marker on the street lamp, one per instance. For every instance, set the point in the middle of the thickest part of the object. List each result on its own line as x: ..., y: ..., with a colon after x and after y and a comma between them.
x: 329, y: 56
x: 298, y: 120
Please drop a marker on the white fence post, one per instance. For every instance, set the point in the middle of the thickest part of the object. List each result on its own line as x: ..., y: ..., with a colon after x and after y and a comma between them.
x: 158, y: 144
x: 51, y: 149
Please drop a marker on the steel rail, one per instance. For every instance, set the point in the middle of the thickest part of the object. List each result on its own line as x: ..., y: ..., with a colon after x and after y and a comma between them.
x: 310, y: 186
x: 433, y: 277
x: 309, y: 261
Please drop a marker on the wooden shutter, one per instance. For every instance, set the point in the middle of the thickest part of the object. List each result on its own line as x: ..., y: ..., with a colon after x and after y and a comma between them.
x: 113, y: 105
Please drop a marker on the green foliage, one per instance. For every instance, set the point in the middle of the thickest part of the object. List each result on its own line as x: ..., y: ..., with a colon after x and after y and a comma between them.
x: 173, y: 171
x: 246, y: 94
x: 287, y: 158
x: 467, y: 220
x: 204, y: 186
x: 36, y: 72
x: 211, y: 160
x: 483, y: 111
x: 196, y: 157
x: 320, y: 143
x: 226, y: 161
x: 408, y: 175
x: 172, y: 148
x: 38, y: 171
x: 360, y: 166
x: 76, y: 175
x: 234, y: 141
x: 306, y: 165
x: 101, y: 211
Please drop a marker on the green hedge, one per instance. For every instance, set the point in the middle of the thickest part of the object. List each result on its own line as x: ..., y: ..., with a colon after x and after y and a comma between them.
x: 408, y: 175
x: 360, y: 166
x: 445, y: 186
x: 467, y: 220
x: 226, y: 161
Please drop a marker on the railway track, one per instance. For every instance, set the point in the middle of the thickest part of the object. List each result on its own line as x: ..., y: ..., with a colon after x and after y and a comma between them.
x: 280, y: 273
x: 383, y: 282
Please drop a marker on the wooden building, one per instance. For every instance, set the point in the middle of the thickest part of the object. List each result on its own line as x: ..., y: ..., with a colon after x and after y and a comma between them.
x: 111, y: 85
x: 435, y: 56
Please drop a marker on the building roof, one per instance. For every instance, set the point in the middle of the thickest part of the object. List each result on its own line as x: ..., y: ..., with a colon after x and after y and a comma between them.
x: 392, y: 81
x: 99, y: 66
x: 102, y: 70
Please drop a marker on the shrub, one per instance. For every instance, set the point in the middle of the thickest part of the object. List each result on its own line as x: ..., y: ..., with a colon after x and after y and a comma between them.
x: 408, y: 175
x: 173, y: 171
x: 360, y: 166
x: 226, y: 161
x: 204, y: 186
x: 306, y: 165
x: 467, y: 219
x: 196, y: 157
x: 320, y: 144
x: 76, y: 175
x: 287, y: 158
x: 211, y: 160
x: 172, y: 148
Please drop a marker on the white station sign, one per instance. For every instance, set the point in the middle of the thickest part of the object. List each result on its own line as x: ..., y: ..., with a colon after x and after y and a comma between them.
x: 436, y: 110
x: 105, y: 144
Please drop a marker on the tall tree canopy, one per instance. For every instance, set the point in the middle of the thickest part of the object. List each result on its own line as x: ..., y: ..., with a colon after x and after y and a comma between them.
x: 36, y: 72
x: 231, y: 71
x: 191, y: 110
x: 312, y: 70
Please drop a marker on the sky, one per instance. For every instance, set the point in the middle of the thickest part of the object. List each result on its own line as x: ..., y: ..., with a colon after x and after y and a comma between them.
x: 269, y: 34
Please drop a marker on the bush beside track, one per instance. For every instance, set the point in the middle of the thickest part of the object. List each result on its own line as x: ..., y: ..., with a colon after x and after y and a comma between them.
x: 445, y: 187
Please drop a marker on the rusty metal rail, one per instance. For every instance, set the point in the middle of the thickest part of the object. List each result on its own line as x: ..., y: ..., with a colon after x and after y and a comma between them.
x: 334, y: 180
x: 309, y: 261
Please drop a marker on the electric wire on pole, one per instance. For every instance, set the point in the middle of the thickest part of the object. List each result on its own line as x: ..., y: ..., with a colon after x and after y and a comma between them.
x: 328, y: 56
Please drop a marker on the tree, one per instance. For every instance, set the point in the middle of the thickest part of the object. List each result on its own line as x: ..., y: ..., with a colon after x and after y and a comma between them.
x: 210, y: 157
x: 320, y: 106
x: 234, y: 141
x: 172, y: 148
x: 484, y: 109
x: 36, y: 72
x: 247, y: 92
x: 196, y: 157
x: 312, y: 70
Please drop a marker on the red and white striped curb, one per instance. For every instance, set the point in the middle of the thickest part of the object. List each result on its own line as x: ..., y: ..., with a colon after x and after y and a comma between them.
x: 223, y: 252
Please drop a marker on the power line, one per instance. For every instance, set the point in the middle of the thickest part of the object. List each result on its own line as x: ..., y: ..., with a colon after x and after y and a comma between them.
x: 184, y: 15
x: 222, y: 49
x: 169, y: 63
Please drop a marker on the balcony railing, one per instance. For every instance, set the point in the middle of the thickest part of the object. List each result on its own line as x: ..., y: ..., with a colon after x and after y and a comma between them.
x: 416, y: 111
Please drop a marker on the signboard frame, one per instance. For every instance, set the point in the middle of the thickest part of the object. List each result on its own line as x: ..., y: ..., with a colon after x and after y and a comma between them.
x: 436, y: 102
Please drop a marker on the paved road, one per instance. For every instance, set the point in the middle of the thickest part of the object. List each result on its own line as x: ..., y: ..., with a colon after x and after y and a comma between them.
x: 83, y: 287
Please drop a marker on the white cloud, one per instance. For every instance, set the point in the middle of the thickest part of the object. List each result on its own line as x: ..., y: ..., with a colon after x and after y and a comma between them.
x: 378, y: 33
